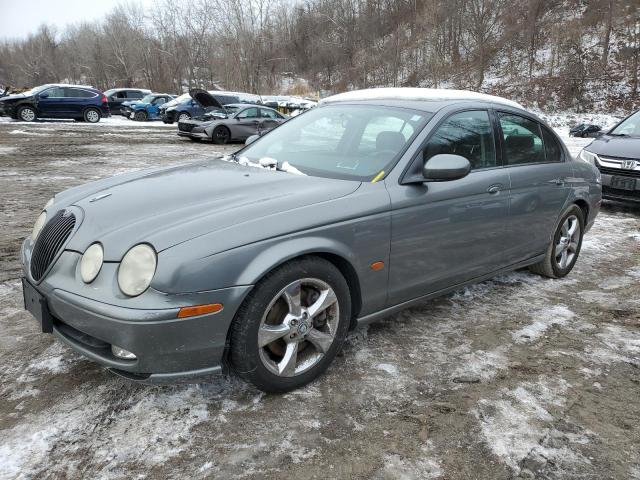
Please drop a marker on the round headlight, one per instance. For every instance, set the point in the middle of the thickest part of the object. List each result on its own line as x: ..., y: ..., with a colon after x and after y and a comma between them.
x: 137, y: 269
x: 40, y: 221
x: 37, y: 227
x: 91, y: 263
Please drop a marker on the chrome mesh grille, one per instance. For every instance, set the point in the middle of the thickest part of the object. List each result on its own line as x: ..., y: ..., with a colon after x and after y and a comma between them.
x: 50, y: 241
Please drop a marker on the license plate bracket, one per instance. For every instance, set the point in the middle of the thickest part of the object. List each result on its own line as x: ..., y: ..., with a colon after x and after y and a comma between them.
x: 36, y: 305
x: 623, y: 183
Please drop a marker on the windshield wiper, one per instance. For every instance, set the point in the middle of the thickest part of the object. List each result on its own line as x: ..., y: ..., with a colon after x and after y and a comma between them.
x: 619, y: 134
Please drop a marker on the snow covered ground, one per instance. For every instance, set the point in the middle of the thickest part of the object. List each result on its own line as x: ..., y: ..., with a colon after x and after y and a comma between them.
x: 515, y: 377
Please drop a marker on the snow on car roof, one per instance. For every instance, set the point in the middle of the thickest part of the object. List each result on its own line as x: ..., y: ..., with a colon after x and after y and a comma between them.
x: 421, y: 94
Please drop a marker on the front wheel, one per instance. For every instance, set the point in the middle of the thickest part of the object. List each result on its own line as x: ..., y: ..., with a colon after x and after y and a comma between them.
x: 26, y: 114
x: 291, y: 326
x: 220, y: 135
x: 91, y: 115
x: 563, y: 252
x: 140, y: 116
x: 183, y: 116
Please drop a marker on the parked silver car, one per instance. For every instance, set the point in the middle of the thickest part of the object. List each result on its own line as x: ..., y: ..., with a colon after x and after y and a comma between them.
x: 261, y: 262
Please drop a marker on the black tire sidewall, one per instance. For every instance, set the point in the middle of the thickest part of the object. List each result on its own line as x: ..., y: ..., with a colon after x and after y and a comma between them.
x: 245, y: 356
x: 560, y: 272
x: 219, y: 141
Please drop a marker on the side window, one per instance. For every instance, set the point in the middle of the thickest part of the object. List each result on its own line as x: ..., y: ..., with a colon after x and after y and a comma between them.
x: 552, y: 148
x: 78, y: 93
x: 269, y: 113
x: 249, y: 113
x: 56, y: 92
x: 468, y: 134
x: 134, y: 94
x: 522, y: 140
x: 159, y: 101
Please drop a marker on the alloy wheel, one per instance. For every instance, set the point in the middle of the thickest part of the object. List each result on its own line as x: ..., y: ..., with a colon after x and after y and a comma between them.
x: 92, y: 116
x: 184, y: 116
x: 298, y: 327
x: 567, y: 245
x: 27, y: 114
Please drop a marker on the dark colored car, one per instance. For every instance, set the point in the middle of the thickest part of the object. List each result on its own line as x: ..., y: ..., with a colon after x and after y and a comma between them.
x: 585, y: 130
x: 148, y: 108
x: 261, y: 262
x: 242, y: 122
x: 56, y: 101
x: 117, y: 96
x: 195, y: 104
x: 617, y: 155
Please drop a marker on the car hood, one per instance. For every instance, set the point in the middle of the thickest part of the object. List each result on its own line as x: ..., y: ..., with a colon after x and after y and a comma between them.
x: 13, y: 97
x: 204, y: 98
x: 168, y: 206
x: 609, y: 145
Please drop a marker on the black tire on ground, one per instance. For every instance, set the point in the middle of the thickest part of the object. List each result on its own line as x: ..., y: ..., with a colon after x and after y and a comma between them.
x: 244, y: 350
x: 167, y: 122
x: 141, y: 116
x: 220, y: 135
x: 549, y: 267
x: 26, y: 114
x: 91, y: 115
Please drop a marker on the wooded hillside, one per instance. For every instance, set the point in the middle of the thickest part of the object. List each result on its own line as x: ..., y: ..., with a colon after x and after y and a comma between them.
x: 571, y: 54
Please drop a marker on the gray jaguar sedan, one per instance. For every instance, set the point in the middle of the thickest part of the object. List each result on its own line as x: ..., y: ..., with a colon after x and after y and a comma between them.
x: 259, y: 263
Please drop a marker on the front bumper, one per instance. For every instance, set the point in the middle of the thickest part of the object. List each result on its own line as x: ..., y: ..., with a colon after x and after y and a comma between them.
x: 168, y: 349
x: 200, y: 135
x: 611, y: 193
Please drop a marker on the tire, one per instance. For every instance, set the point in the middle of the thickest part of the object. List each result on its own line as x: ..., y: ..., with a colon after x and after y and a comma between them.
x: 315, y: 336
x: 183, y: 116
x: 26, y: 114
x: 220, y: 135
x: 91, y: 115
x: 564, y: 250
x: 141, y: 116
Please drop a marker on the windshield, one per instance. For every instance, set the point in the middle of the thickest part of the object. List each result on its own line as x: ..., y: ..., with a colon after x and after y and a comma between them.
x: 147, y: 99
x: 177, y: 100
x: 36, y: 90
x: 630, y: 126
x: 351, y: 142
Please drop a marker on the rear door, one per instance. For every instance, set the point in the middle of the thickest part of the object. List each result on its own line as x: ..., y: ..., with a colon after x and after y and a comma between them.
x: 76, y: 100
x: 539, y: 175
x: 445, y: 233
x: 269, y: 119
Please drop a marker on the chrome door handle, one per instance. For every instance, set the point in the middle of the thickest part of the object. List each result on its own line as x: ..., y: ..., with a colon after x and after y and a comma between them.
x: 493, y: 189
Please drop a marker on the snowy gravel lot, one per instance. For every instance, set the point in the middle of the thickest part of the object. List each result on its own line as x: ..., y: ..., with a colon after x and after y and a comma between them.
x: 515, y: 377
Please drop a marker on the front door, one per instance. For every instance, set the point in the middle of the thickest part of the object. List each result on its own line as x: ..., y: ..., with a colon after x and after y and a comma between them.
x: 540, y: 178
x: 247, y: 123
x: 51, y: 102
x: 445, y: 233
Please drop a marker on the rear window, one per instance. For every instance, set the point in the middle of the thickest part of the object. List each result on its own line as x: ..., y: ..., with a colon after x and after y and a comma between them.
x: 79, y: 93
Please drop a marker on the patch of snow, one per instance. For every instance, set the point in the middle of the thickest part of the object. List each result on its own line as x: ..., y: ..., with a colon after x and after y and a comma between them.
x: 545, y: 318
x: 387, y: 367
x: 437, y: 94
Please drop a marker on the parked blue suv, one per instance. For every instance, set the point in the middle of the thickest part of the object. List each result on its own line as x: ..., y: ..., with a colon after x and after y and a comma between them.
x: 56, y: 101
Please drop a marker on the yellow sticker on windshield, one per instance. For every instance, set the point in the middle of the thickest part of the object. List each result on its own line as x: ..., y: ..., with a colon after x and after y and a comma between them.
x: 378, y: 177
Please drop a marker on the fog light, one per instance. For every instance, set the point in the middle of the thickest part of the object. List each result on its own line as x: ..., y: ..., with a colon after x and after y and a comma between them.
x: 120, y: 352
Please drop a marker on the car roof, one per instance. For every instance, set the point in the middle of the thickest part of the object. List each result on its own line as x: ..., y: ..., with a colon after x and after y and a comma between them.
x: 68, y: 85
x: 426, y: 99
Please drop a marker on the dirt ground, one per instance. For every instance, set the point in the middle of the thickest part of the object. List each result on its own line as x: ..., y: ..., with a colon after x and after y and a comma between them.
x: 517, y: 377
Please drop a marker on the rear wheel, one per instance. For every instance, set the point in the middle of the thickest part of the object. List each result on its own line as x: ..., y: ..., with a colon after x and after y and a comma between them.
x: 220, y: 135
x: 26, y: 114
x: 91, y: 115
x: 291, y: 326
x: 183, y: 116
x: 563, y: 252
x: 141, y: 116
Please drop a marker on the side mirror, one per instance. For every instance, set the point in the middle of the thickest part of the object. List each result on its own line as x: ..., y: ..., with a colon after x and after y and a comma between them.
x: 251, y: 139
x: 445, y: 167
